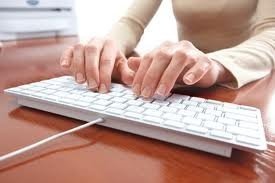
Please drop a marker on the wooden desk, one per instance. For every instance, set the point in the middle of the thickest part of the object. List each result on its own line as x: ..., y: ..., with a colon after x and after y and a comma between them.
x: 100, y: 154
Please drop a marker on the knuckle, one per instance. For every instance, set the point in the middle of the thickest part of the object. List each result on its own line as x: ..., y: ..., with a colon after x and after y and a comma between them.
x: 163, y: 54
x: 150, y: 77
x: 186, y: 43
x: 91, y: 48
x: 78, y: 46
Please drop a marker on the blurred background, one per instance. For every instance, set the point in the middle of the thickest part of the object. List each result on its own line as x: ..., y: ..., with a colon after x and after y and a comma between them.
x: 28, y: 19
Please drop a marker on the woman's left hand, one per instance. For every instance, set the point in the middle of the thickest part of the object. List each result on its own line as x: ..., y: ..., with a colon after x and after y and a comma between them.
x: 158, y: 71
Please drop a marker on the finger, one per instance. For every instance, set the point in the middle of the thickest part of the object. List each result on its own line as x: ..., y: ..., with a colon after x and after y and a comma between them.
x: 133, y: 63
x: 172, y: 72
x: 152, y: 77
x: 66, y: 57
x: 144, y: 66
x: 78, y: 65
x: 195, y: 73
x: 106, y: 66
x: 92, y: 55
x: 127, y: 74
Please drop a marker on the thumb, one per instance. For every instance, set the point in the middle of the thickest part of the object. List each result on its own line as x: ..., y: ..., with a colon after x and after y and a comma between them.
x: 133, y: 63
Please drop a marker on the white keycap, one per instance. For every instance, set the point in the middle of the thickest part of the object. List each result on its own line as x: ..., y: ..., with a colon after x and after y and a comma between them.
x: 193, y: 121
x: 73, y: 96
x: 213, y: 125
x: 190, y: 103
x: 214, y: 102
x: 118, y: 105
x: 197, y: 129
x: 135, y: 102
x: 81, y: 103
x: 61, y: 94
x: 213, y: 112
x: 197, y: 99
x: 208, y: 106
x: 102, y: 102
x: 87, y: 99
x: 187, y: 113
x: 253, y: 126
x: 151, y: 106
x: 90, y: 94
x: 192, y: 108
x: 104, y: 96
x: 145, y: 100
x: 175, y: 98
x: 221, y: 134
x: 248, y: 140
x: 54, y: 87
x: 49, y: 91
x: 248, y: 108
x: 133, y: 115
x: 67, y: 100
x: 129, y: 96
x: 172, y: 116
x: 153, y: 119
x: 168, y: 109
x: 242, y: 131
x: 37, y: 88
x: 226, y: 121
x: 97, y: 107
x: 206, y: 116
x: 177, y: 105
x: 175, y: 124
x: 230, y: 105
x: 241, y: 117
x: 152, y: 112
x: 135, y: 109
x: 116, y: 94
x: 115, y: 111
x: 238, y: 111
x: 119, y: 99
x: 161, y: 102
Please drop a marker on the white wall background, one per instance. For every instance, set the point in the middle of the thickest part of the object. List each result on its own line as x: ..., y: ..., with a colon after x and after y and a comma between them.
x: 95, y: 18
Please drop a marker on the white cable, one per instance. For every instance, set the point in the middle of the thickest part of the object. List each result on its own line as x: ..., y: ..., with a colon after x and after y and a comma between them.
x: 39, y: 143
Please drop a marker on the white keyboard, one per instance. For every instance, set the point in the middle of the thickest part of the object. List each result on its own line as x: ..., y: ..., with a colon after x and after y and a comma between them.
x: 203, y: 124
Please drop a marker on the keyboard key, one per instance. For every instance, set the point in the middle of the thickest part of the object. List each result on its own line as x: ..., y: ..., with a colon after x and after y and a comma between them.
x: 208, y: 106
x: 248, y: 140
x: 197, y: 99
x: 187, y: 113
x: 253, y: 126
x: 102, y: 102
x: 240, y: 117
x: 133, y: 115
x: 213, y: 112
x: 214, y: 102
x: 151, y: 106
x: 176, y: 98
x: 192, y: 108
x: 81, y: 103
x: 118, y: 105
x: 87, y: 99
x: 129, y: 96
x: 190, y: 103
x: 230, y: 105
x: 90, y: 94
x: 177, y: 105
x: 197, y: 129
x: 116, y: 94
x: 168, y: 109
x: 206, y: 116
x: 115, y: 111
x: 135, y: 102
x: 151, y: 112
x: 97, y: 107
x: 153, y: 119
x: 175, y: 124
x: 104, y: 96
x: 226, y: 121
x: 161, y: 102
x: 242, y: 131
x: 192, y: 121
x: 119, y: 99
x: 213, y: 125
x: 172, y: 116
x: 135, y: 109
x: 221, y: 134
x: 237, y: 111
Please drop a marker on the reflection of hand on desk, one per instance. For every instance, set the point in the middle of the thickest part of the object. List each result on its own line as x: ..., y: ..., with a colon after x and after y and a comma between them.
x: 134, y: 158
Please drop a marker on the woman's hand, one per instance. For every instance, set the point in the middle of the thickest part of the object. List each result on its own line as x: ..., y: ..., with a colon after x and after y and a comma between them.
x: 158, y: 71
x: 97, y: 62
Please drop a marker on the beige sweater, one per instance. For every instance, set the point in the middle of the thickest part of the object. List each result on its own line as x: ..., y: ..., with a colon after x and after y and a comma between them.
x: 239, y: 34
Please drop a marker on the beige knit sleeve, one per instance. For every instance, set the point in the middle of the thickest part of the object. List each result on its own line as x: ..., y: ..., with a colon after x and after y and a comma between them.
x: 129, y: 29
x: 254, y: 58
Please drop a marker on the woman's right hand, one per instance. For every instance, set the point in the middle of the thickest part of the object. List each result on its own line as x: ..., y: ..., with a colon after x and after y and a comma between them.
x: 96, y: 63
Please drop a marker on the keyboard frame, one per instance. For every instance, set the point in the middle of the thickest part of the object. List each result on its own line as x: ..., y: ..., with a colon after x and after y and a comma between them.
x: 127, y: 125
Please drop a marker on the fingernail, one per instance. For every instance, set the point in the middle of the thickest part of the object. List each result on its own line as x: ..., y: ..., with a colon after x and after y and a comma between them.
x: 80, y: 78
x: 161, y: 90
x: 103, y: 88
x: 146, y: 92
x: 189, y: 78
x: 64, y: 62
x: 92, y: 84
x: 136, y: 89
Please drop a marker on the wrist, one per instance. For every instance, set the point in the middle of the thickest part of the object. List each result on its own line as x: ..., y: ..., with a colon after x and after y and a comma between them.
x: 224, y: 75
